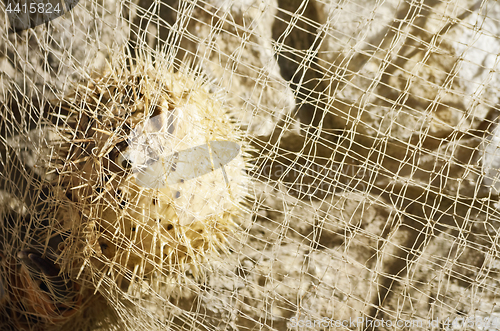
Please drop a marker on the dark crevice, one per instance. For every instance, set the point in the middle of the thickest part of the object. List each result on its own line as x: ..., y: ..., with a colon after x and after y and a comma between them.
x: 304, y: 74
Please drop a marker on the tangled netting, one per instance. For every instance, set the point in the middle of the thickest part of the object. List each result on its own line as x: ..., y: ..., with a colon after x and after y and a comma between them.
x: 251, y: 165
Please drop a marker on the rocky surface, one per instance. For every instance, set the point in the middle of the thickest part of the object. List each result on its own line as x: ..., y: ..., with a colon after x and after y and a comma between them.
x: 367, y: 119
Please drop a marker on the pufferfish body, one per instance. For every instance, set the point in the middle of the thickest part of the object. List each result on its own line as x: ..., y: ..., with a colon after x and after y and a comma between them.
x: 151, y: 160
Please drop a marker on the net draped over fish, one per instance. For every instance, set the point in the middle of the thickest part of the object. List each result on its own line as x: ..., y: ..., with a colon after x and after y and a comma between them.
x: 251, y: 165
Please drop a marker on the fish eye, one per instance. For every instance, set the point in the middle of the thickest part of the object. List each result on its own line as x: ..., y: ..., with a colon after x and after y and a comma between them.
x: 117, y: 157
x: 122, y: 161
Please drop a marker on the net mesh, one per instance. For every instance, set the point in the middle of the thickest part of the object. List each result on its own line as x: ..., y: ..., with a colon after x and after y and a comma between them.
x: 244, y: 165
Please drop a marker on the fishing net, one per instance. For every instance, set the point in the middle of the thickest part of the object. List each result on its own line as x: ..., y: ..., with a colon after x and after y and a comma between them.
x: 250, y: 165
